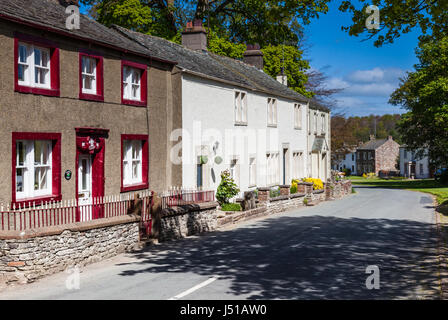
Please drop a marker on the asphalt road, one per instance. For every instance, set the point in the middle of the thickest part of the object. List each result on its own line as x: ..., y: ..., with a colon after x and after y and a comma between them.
x: 316, y: 252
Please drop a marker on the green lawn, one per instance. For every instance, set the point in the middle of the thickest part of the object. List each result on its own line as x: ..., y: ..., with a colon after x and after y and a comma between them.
x: 424, y: 185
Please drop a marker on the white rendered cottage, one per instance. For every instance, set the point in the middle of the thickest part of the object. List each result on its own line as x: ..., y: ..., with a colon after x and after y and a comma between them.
x: 235, y: 117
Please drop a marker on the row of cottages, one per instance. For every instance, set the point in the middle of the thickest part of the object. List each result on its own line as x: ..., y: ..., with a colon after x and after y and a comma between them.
x: 234, y: 116
x: 100, y: 111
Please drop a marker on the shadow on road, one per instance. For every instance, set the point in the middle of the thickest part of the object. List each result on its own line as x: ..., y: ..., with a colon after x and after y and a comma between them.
x: 313, y: 257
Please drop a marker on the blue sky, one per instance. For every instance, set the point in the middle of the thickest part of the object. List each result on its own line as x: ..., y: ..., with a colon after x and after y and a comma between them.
x: 368, y: 74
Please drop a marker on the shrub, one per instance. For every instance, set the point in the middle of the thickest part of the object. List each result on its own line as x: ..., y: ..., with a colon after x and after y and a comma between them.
x: 347, y: 172
x: 293, y: 188
x: 227, y: 189
x: 274, y: 192
x: 305, y: 201
x: 231, y: 207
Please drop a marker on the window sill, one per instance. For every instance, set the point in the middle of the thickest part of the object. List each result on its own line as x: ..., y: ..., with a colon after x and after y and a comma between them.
x: 136, y: 103
x: 134, y: 187
x: 38, y: 91
x: 240, y: 123
x: 91, y: 97
x: 297, y: 128
x: 272, y: 126
x: 28, y: 202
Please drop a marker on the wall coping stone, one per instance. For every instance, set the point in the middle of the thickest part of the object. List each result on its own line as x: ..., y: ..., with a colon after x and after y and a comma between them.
x: 319, y: 191
x: 168, y: 212
x: 74, y: 227
x: 296, y: 195
x: 305, y: 183
x: 278, y: 198
x: 285, y: 186
x: 264, y: 188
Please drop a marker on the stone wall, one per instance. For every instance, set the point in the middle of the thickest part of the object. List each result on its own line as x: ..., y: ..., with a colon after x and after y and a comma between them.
x: 29, y: 255
x: 180, y: 222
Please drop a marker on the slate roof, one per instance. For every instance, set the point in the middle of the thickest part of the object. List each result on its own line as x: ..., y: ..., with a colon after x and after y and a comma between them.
x: 372, y: 144
x: 49, y: 15
x: 218, y: 67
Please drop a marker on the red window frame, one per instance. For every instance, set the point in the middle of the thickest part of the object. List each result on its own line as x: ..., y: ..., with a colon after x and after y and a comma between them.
x: 145, y: 162
x: 99, y: 96
x: 55, y: 168
x: 143, y: 84
x: 54, y: 91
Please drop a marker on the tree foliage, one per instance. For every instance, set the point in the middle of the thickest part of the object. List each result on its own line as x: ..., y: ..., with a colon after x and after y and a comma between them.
x: 255, y: 21
x: 354, y: 130
x: 424, y: 93
x: 399, y: 17
x: 288, y: 58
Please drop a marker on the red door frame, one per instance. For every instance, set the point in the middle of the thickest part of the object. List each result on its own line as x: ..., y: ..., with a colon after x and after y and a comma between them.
x: 98, y: 157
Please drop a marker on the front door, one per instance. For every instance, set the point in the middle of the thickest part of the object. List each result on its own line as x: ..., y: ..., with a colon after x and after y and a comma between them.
x: 85, y: 186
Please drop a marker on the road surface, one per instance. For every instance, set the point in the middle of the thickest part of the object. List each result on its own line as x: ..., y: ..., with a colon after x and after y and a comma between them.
x: 319, y: 252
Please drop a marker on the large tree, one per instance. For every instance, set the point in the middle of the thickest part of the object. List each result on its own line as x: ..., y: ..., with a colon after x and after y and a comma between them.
x: 398, y: 17
x: 424, y: 93
x: 255, y: 21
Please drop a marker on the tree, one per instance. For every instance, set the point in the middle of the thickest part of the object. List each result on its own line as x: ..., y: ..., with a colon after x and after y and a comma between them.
x: 254, y: 21
x: 288, y: 58
x: 322, y: 94
x: 424, y: 93
x: 399, y: 17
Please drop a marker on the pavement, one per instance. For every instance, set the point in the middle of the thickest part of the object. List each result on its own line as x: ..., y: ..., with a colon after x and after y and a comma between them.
x: 319, y: 252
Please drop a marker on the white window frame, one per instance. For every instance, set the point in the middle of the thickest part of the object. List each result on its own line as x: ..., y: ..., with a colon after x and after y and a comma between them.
x: 30, y: 66
x: 298, y: 164
x: 297, y: 116
x: 272, y: 168
x: 315, y: 122
x: 129, y: 160
x: 93, y: 75
x: 272, y: 112
x: 252, y: 172
x: 240, y: 107
x: 129, y: 75
x: 234, y: 169
x: 30, y: 166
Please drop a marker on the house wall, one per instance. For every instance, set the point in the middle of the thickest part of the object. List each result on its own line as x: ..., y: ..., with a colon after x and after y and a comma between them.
x: 410, y: 157
x: 346, y: 162
x: 386, y: 156
x: 319, y: 161
x: 210, y: 105
x: 36, y: 113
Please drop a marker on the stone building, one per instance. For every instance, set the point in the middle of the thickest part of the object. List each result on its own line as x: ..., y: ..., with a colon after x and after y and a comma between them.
x: 377, y: 155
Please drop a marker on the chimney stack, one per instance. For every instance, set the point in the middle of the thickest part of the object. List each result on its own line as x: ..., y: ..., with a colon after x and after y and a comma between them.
x: 282, y: 78
x: 67, y: 3
x: 254, y: 56
x: 372, y: 137
x: 194, y: 36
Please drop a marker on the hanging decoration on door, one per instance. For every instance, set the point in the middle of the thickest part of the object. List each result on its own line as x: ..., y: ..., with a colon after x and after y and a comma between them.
x: 88, y: 144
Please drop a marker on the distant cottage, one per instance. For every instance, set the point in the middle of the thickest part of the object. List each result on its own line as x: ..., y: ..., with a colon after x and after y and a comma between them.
x: 377, y: 155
